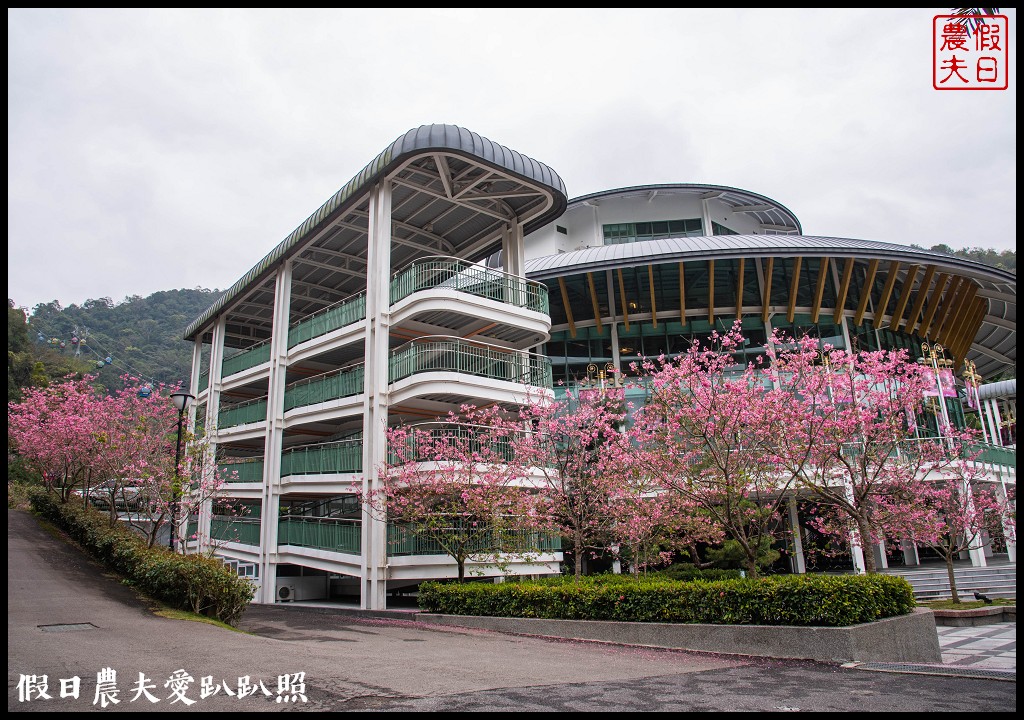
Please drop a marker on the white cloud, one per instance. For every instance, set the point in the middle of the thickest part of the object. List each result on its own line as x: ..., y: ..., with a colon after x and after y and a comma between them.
x: 157, y: 149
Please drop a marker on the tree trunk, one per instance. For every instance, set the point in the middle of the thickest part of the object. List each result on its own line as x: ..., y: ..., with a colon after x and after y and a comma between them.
x: 696, y: 559
x: 751, y: 563
x: 865, y: 546
x: 577, y: 556
x: 952, y: 579
x: 462, y: 569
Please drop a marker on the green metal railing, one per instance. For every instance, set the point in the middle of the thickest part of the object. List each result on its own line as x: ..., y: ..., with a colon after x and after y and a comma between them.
x: 240, y: 530
x: 237, y: 471
x: 322, y: 533
x: 330, y: 318
x: 471, y: 438
x: 995, y: 454
x: 462, y: 276
x: 343, y: 382
x: 243, y: 413
x: 438, y: 353
x: 204, y: 380
x: 403, y: 541
x: 250, y: 357
x: 343, y: 456
x: 981, y: 452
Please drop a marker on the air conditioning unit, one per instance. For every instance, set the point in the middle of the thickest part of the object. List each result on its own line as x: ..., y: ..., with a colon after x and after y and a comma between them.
x: 290, y: 589
x: 285, y: 591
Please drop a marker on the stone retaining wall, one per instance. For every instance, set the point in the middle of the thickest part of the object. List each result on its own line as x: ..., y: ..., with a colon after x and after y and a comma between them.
x: 976, y: 616
x: 906, y: 639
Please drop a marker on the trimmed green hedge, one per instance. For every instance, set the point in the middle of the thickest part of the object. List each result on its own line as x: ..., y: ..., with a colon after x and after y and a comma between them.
x: 808, y: 600
x: 196, y: 583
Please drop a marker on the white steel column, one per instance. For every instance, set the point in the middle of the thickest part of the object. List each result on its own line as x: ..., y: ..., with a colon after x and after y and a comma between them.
x: 856, y: 547
x: 997, y: 420
x: 910, y: 556
x: 373, y: 595
x: 197, y: 360
x: 203, y: 527
x: 273, y: 438
x: 993, y: 422
x: 976, y: 551
x: 800, y: 564
x: 193, y: 389
x: 881, y: 561
x: 1009, y: 531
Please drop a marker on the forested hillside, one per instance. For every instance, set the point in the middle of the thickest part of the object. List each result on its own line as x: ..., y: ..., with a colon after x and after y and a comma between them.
x: 142, y: 336
x: 1003, y: 259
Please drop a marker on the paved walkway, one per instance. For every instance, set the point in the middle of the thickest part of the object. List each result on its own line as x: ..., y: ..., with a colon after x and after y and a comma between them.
x: 989, y: 647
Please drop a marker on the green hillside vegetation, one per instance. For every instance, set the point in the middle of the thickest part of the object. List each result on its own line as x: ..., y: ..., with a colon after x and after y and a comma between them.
x: 1002, y: 259
x: 142, y: 335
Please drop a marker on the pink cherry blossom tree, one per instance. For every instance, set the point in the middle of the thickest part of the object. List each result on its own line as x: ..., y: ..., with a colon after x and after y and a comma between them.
x: 454, y: 486
x: 75, y: 436
x: 53, y: 429
x: 949, y: 508
x: 574, y: 449
x: 652, y: 525
x: 865, y: 455
x: 727, y: 439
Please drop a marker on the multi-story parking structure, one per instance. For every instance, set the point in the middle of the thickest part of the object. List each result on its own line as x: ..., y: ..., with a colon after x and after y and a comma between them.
x: 374, y: 311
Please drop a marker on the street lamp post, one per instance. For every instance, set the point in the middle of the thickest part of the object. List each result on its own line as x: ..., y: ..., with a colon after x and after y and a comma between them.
x: 973, y: 379
x: 181, y: 401
x: 935, y: 356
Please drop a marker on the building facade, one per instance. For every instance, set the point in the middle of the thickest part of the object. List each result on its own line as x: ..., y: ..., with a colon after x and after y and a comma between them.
x: 453, y: 270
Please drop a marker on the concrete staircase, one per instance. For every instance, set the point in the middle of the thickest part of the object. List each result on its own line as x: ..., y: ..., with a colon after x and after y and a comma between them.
x: 932, y: 582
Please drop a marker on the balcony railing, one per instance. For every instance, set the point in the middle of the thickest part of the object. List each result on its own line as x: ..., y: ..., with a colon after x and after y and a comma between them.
x: 474, y: 439
x: 439, y: 353
x: 247, y: 358
x: 328, y: 319
x: 995, y: 454
x: 462, y: 276
x: 204, y: 380
x: 241, y: 470
x: 321, y: 533
x: 403, y: 541
x: 242, y: 413
x: 343, y: 456
x: 343, y: 382
x: 240, y: 530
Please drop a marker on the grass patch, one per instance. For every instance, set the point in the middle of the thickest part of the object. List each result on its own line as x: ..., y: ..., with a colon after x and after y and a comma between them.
x: 964, y: 604
x: 173, y: 614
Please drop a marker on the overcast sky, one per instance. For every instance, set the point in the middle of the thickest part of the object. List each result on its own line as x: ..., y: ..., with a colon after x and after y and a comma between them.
x: 159, y: 149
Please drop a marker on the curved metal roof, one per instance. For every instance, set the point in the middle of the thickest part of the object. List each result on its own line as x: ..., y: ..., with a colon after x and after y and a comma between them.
x: 448, y: 140
x: 1001, y: 389
x: 608, y: 257
x: 765, y: 210
x: 993, y: 347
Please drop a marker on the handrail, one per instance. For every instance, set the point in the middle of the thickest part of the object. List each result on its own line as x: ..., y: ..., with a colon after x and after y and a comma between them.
x: 248, y: 469
x: 323, y: 458
x: 441, y: 353
x: 337, y: 534
x: 294, y: 399
x: 471, y: 278
x: 225, y: 413
x: 342, y: 313
x: 246, y: 358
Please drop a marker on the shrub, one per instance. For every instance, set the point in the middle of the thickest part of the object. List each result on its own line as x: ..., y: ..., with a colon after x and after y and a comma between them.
x: 197, y: 583
x: 809, y: 600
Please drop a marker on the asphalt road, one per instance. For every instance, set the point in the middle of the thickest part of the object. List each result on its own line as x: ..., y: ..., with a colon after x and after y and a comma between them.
x: 67, y: 618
